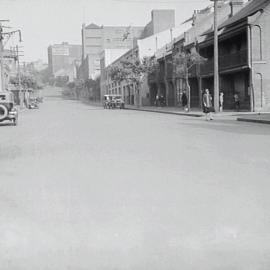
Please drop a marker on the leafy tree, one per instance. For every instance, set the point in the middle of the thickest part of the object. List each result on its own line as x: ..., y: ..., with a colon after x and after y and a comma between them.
x: 183, y: 62
x: 27, y: 81
x: 132, y: 71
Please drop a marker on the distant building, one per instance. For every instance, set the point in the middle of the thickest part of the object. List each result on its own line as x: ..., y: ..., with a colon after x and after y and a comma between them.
x: 61, y: 58
x: 161, y: 19
x: 96, y: 38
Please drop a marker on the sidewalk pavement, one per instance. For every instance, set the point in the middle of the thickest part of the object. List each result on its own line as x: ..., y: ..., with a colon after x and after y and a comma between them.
x: 166, y: 110
x: 193, y: 113
x: 261, y: 118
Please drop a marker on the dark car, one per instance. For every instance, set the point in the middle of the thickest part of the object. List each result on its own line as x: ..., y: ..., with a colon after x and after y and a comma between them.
x: 113, y: 101
x: 33, y: 104
x: 8, y: 110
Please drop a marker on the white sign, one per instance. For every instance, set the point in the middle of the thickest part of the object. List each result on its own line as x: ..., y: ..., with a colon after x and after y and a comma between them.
x: 60, y: 51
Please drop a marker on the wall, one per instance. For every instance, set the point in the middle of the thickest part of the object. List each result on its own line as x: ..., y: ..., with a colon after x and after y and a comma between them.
x: 113, y: 37
x: 261, y: 60
x: 162, y: 20
x: 150, y: 45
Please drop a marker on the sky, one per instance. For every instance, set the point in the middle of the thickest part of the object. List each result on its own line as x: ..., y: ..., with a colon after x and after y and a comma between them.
x: 45, y: 22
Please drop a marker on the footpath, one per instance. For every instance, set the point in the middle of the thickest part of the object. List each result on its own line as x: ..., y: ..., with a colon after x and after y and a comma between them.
x: 165, y: 110
x: 263, y: 118
x: 229, y: 115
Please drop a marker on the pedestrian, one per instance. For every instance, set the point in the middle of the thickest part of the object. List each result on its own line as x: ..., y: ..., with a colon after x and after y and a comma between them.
x: 184, y: 101
x: 162, y: 101
x: 237, y: 102
x: 157, y: 99
x: 221, y: 101
x: 207, y: 105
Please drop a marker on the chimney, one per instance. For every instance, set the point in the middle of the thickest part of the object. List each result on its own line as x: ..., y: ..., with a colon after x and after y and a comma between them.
x: 236, y: 5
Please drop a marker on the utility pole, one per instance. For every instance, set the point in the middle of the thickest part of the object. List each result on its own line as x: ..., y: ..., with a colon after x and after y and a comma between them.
x: 19, y: 76
x: 2, y: 84
x: 1, y: 59
x: 216, y: 67
x: 2, y: 36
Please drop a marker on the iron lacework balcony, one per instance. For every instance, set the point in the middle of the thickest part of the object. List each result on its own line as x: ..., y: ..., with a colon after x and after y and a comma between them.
x: 226, y: 62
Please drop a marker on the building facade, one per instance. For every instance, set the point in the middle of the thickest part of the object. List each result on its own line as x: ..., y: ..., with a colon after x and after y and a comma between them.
x: 96, y: 39
x: 61, y: 59
x: 243, y: 58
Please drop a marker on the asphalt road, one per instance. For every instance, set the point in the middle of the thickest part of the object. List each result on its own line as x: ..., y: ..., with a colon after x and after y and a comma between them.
x: 86, y: 188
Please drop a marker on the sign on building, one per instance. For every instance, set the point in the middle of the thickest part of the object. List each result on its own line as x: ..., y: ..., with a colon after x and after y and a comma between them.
x: 63, y: 50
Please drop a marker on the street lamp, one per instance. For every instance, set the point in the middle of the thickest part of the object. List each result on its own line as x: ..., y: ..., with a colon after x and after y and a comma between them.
x: 216, y: 69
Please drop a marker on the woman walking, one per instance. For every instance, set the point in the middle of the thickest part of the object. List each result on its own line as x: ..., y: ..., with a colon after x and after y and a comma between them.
x: 207, y: 105
x: 184, y: 100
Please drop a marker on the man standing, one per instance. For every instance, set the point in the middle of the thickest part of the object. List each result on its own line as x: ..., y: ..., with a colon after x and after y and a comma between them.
x: 207, y: 105
x: 237, y: 102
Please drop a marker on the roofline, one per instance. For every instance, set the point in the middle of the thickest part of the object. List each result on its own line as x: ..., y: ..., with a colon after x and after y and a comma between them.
x: 119, y: 58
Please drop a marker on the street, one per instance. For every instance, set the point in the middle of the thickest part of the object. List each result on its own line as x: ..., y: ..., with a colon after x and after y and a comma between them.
x: 88, y: 188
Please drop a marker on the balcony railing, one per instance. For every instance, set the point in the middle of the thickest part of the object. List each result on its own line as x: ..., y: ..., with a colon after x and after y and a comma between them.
x: 227, y: 61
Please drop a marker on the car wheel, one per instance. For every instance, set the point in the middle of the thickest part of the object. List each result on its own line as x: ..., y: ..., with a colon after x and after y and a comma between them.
x: 3, y: 112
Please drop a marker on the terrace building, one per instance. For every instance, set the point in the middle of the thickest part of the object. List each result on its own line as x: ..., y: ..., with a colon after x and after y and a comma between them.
x: 243, y: 58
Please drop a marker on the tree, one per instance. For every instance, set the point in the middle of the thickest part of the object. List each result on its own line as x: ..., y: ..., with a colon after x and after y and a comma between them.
x: 184, y: 61
x: 27, y: 81
x: 93, y: 88
x: 132, y: 71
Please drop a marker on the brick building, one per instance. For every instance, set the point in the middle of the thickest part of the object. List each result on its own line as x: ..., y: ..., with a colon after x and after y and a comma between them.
x: 96, y: 39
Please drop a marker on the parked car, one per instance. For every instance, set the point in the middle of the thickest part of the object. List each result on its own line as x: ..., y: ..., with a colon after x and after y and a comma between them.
x: 33, y: 104
x: 8, y: 110
x: 113, y: 101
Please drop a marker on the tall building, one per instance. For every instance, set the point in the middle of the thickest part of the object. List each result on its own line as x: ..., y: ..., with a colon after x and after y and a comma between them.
x: 61, y: 58
x: 96, y: 38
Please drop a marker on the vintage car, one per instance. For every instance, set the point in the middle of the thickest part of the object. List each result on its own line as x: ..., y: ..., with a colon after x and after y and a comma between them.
x: 113, y: 101
x: 8, y: 110
x: 33, y: 103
